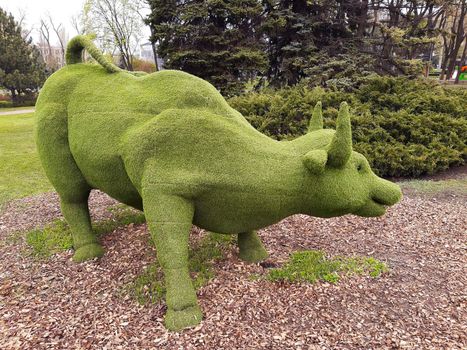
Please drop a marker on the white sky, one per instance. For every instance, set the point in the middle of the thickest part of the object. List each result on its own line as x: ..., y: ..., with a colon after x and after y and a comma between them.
x: 61, y: 11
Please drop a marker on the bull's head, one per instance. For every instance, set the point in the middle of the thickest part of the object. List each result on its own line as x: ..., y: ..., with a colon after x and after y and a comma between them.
x: 341, y: 180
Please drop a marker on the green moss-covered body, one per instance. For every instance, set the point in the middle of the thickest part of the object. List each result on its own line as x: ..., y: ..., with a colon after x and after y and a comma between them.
x: 169, y: 143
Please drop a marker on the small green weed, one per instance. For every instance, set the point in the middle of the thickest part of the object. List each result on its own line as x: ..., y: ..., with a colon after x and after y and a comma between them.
x: 311, y: 266
x: 149, y: 286
x: 56, y: 236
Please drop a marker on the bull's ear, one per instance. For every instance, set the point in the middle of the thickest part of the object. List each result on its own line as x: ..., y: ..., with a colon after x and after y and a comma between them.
x: 316, y: 160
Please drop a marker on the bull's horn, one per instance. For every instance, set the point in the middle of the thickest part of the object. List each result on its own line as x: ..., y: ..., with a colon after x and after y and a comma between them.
x: 340, y: 148
x: 316, y: 121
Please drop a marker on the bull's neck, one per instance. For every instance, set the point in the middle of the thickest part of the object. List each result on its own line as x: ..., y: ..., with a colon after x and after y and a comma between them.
x: 286, y: 181
x: 295, y: 178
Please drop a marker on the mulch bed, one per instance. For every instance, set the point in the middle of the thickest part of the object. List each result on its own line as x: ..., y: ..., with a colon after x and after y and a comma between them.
x: 420, y: 304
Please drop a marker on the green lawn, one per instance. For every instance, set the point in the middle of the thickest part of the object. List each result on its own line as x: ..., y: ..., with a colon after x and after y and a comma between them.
x: 20, y: 168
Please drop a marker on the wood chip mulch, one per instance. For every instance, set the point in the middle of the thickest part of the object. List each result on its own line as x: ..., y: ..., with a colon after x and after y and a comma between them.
x: 420, y: 304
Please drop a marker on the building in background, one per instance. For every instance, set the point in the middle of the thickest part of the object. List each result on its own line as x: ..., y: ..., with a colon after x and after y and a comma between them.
x: 52, y: 56
x: 145, y: 53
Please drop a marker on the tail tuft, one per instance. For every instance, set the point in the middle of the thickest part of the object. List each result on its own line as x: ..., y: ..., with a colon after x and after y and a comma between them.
x: 84, y: 42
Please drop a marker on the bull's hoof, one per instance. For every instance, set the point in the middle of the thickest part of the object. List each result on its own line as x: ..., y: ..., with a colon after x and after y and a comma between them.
x: 253, y: 255
x: 186, y: 318
x: 88, y: 252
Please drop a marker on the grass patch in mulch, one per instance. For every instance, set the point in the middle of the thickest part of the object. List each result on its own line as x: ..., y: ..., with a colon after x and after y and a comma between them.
x: 312, y: 266
x: 149, y: 287
x: 455, y: 186
x: 56, y: 236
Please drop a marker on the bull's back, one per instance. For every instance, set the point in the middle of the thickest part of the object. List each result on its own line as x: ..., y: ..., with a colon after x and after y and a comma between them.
x: 99, y: 108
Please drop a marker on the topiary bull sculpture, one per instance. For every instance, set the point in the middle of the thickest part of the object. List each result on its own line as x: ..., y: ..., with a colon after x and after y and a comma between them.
x: 169, y: 144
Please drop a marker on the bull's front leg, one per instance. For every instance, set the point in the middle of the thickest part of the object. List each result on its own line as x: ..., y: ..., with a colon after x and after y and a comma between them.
x: 170, y: 218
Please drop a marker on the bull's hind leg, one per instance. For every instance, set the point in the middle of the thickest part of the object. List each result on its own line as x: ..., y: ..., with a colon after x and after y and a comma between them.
x: 76, y: 212
x: 63, y: 173
x: 251, y: 248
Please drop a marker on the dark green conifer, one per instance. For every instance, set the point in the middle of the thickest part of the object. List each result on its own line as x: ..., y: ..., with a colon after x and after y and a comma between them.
x: 215, y: 40
x: 22, y: 71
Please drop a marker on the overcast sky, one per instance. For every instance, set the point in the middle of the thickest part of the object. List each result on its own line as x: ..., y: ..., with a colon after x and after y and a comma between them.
x: 60, y: 10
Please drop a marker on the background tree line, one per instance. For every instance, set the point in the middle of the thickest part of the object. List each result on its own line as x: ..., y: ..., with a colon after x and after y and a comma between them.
x: 280, y: 42
x: 242, y: 44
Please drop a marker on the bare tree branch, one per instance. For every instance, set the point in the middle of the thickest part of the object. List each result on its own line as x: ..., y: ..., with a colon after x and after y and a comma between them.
x: 118, y: 24
x: 60, y: 33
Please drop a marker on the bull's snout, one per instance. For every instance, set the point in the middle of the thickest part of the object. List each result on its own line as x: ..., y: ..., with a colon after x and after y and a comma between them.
x: 386, y: 193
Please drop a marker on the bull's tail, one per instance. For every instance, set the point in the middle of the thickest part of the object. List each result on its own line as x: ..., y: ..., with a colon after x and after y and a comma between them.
x: 84, y: 42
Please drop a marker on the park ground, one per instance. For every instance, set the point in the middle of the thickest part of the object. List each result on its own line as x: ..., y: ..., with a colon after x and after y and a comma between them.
x: 49, y: 302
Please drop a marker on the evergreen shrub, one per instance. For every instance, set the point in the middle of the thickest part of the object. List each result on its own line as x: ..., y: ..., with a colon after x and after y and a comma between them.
x: 403, y: 127
x: 6, y: 104
x: 25, y: 102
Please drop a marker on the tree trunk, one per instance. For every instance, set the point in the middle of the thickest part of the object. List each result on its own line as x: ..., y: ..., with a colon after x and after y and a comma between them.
x: 362, y: 19
x: 154, y: 50
x: 459, y: 38
x: 127, y: 61
x: 14, y: 96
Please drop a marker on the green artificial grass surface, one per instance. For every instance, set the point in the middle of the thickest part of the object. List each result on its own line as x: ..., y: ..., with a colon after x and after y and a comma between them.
x: 20, y: 167
x: 169, y: 142
x: 312, y: 266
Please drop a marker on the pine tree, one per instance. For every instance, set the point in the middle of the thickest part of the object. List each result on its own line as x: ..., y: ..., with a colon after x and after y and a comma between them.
x: 215, y: 40
x: 287, y: 25
x: 22, y: 71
